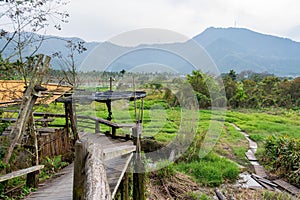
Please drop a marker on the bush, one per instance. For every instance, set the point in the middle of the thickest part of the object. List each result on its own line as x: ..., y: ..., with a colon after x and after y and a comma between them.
x: 282, y: 154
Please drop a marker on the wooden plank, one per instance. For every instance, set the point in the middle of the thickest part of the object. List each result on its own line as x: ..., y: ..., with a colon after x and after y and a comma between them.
x: 250, y: 156
x: 114, y: 175
x: 56, y: 188
x: 8, y: 119
x: 20, y: 172
x: 46, y: 130
x: 110, y: 153
x: 255, y: 176
x: 260, y: 171
x: 40, y: 114
x: 288, y: 187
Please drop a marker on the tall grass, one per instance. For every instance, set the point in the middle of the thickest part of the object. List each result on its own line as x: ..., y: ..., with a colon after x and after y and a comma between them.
x: 212, y: 170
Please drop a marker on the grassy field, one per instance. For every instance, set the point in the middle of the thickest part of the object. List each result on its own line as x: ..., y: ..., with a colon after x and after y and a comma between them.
x: 163, y: 123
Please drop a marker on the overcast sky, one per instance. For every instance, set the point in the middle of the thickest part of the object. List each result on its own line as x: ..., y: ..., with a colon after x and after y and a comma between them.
x: 99, y: 20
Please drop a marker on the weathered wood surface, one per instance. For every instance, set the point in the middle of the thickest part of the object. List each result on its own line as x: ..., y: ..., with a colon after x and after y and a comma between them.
x: 106, y: 162
x: 250, y: 155
x: 260, y: 171
x: 20, y: 172
x: 30, y: 96
x: 96, y: 181
x: 288, y: 187
x: 58, y: 188
x: 113, y: 152
x: 116, y: 169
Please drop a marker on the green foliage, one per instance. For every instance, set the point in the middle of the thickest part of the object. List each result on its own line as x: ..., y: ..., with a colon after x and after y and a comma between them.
x: 233, y: 145
x: 52, y: 165
x: 269, y: 195
x: 283, y: 155
x: 197, y: 196
x: 3, y: 126
x: 167, y: 169
x: 259, y: 124
x: 211, y: 170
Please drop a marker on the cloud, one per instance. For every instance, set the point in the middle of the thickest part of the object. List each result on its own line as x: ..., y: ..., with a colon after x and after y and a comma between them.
x: 102, y: 19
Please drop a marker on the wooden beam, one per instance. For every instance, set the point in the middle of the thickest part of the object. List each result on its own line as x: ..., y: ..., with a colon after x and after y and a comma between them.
x: 122, y: 175
x: 20, y: 172
x: 79, y: 170
x: 126, y: 186
x: 138, y: 175
x: 29, y: 99
x: 115, y: 151
x: 96, y: 181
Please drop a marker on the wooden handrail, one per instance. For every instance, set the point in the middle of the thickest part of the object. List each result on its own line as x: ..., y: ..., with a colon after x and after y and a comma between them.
x: 113, y: 125
x: 31, y: 180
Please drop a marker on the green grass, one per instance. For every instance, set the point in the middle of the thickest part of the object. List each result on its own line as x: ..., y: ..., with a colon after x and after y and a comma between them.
x: 260, y: 125
x: 163, y: 123
x: 211, y: 171
x: 232, y: 144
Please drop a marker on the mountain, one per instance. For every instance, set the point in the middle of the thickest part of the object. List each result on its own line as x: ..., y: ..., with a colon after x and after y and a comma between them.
x: 49, y: 46
x: 230, y: 48
x: 242, y: 49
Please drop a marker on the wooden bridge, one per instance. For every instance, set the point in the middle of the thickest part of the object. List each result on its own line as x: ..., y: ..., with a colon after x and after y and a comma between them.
x: 100, y: 169
x: 116, y: 157
x: 101, y: 160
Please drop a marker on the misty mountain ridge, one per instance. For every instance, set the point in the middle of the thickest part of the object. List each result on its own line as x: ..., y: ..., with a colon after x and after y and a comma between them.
x: 230, y: 48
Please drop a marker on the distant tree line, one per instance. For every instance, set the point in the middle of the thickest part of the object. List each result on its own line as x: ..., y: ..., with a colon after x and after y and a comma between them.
x: 247, y: 90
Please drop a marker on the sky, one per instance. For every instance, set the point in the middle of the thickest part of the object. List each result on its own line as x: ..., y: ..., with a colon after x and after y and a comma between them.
x: 100, y: 20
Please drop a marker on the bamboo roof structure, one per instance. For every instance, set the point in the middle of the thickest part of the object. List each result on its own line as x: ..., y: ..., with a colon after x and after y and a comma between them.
x: 11, y: 92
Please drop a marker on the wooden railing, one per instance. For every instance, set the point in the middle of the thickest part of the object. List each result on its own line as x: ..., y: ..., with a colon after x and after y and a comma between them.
x: 48, y: 120
x: 32, y: 178
x: 90, y: 181
x: 95, y: 122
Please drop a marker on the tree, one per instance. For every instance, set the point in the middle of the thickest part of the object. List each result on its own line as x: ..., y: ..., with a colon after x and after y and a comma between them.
x: 68, y: 64
x: 23, y: 19
x: 233, y: 75
x: 198, y: 82
x: 230, y: 87
x: 295, y: 91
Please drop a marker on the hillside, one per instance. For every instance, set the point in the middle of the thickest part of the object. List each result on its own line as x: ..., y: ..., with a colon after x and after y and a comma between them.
x: 243, y: 49
x: 230, y: 48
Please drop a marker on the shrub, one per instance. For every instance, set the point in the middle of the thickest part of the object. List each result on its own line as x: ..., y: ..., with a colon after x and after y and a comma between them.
x: 282, y: 154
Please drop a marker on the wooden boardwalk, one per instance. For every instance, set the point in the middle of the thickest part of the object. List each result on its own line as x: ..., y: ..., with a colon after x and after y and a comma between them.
x: 117, y: 157
x: 59, y: 187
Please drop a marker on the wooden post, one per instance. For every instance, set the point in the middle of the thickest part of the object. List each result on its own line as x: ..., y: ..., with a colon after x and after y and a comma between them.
x: 110, y: 83
x: 139, y: 176
x: 126, y: 189
x: 96, y: 181
x: 32, y: 179
x: 66, y: 117
x: 97, y: 126
x: 134, y: 97
x: 73, y: 120
x: 121, y: 189
x: 79, y: 171
x: 113, y: 131
x: 108, y: 105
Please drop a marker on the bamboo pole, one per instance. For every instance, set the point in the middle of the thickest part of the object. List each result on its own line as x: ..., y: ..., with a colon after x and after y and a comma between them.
x: 29, y: 99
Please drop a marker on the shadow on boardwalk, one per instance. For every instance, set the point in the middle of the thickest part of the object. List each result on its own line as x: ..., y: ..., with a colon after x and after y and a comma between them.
x: 58, y: 187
